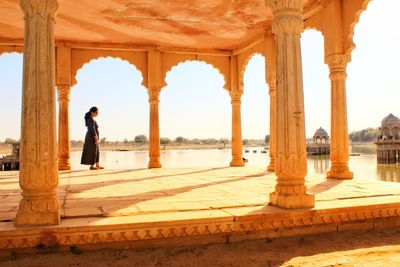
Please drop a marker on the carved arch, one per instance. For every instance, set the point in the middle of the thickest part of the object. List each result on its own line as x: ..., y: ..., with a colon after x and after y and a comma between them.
x: 80, y: 58
x: 220, y: 63
x: 355, y: 11
x: 314, y: 23
x: 9, y: 49
x: 244, y: 64
x: 246, y: 56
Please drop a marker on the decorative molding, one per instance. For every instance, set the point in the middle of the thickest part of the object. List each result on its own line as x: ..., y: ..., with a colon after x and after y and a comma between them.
x: 244, y: 225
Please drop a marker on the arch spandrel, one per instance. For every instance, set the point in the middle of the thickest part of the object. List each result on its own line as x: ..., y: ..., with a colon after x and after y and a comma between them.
x: 220, y: 63
x: 244, y: 58
x: 315, y: 23
x: 8, y: 49
x: 81, y: 57
x: 352, y: 11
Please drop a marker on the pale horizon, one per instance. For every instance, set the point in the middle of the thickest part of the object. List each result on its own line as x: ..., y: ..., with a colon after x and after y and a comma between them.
x: 194, y: 104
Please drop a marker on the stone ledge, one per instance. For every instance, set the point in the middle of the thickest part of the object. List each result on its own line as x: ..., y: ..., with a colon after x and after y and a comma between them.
x: 203, y: 227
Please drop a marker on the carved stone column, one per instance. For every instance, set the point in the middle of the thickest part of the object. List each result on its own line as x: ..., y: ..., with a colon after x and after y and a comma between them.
x: 272, y: 124
x: 237, y: 143
x: 154, y: 147
x: 339, y: 131
x: 63, y: 128
x: 291, y: 156
x: 39, y: 161
x: 271, y: 80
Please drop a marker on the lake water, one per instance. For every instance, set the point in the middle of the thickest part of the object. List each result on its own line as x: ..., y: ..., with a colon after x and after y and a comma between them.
x: 363, y: 166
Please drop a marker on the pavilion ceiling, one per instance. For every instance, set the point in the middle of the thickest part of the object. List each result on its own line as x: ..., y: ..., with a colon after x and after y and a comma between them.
x: 200, y: 24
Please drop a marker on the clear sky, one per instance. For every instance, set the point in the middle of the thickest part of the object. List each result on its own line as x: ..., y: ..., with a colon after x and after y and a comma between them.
x: 195, y: 104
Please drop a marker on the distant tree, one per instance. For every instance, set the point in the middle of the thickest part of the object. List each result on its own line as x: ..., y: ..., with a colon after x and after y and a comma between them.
x: 365, y: 135
x: 180, y: 140
x: 9, y: 141
x: 141, y: 139
x: 165, y: 141
x: 267, y: 139
x: 224, y: 141
x: 245, y: 141
x: 196, y: 141
x: 103, y: 141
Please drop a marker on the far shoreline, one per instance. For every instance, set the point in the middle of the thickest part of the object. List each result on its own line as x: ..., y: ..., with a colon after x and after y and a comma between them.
x: 5, y: 150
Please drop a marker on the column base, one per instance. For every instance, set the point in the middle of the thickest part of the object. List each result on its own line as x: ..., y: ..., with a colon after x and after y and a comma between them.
x: 237, y: 163
x: 64, y: 165
x: 293, y: 201
x: 339, y: 173
x: 36, y: 211
x: 154, y: 164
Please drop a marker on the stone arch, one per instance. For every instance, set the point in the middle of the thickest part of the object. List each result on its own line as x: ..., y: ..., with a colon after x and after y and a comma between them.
x: 308, y: 27
x: 245, y: 57
x: 244, y: 64
x: 385, y: 131
x: 9, y: 49
x: 80, y: 58
x: 356, y: 9
x: 219, y: 63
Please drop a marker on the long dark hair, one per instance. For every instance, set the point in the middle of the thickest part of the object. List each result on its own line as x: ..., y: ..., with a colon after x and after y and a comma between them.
x: 87, y: 114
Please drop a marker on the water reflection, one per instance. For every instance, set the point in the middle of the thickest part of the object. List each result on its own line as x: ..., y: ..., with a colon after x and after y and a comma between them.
x: 389, y: 173
x: 320, y: 163
x: 364, y: 165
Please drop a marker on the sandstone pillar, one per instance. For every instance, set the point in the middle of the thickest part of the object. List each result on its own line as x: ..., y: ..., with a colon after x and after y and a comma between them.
x: 154, y: 146
x: 291, y: 156
x: 237, y: 143
x: 272, y: 123
x: 63, y: 128
x: 271, y: 80
x: 339, y: 131
x: 39, y: 164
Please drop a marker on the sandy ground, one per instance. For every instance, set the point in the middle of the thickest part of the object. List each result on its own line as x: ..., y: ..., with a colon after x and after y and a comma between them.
x: 367, y: 248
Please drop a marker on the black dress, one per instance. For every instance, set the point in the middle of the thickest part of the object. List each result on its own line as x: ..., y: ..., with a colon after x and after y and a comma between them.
x: 91, y: 151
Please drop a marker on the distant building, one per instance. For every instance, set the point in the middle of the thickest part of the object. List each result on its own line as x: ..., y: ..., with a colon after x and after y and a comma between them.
x: 320, y: 144
x: 11, y: 162
x: 388, y: 143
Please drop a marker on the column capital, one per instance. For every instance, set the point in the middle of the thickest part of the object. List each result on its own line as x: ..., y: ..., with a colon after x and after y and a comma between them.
x: 285, y: 4
x: 337, y: 61
x: 154, y: 95
x: 39, y: 7
x: 272, y: 86
x: 287, y: 16
x: 337, y: 66
x: 63, y: 92
x: 236, y: 95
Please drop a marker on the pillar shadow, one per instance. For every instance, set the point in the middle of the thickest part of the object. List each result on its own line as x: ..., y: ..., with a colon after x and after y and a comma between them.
x: 326, y: 185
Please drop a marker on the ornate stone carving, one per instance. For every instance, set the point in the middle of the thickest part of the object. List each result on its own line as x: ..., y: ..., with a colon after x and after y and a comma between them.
x: 39, y: 160
x: 339, y: 129
x: 291, y: 156
x: 279, y: 225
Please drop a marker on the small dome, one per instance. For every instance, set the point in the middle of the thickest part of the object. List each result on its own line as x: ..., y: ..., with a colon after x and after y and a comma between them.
x: 320, y: 133
x: 390, y: 121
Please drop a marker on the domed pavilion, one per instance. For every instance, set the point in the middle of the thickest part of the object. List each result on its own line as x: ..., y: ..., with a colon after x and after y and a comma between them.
x: 320, y: 144
x: 388, y: 143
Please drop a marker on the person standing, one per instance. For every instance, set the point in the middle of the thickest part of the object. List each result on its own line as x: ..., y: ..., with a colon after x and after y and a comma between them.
x: 91, y: 150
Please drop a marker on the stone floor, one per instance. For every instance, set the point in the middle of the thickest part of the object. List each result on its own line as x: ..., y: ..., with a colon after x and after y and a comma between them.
x: 227, y: 195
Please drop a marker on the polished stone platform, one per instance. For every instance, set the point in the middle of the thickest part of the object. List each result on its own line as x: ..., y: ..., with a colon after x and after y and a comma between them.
x: 158, y: 207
